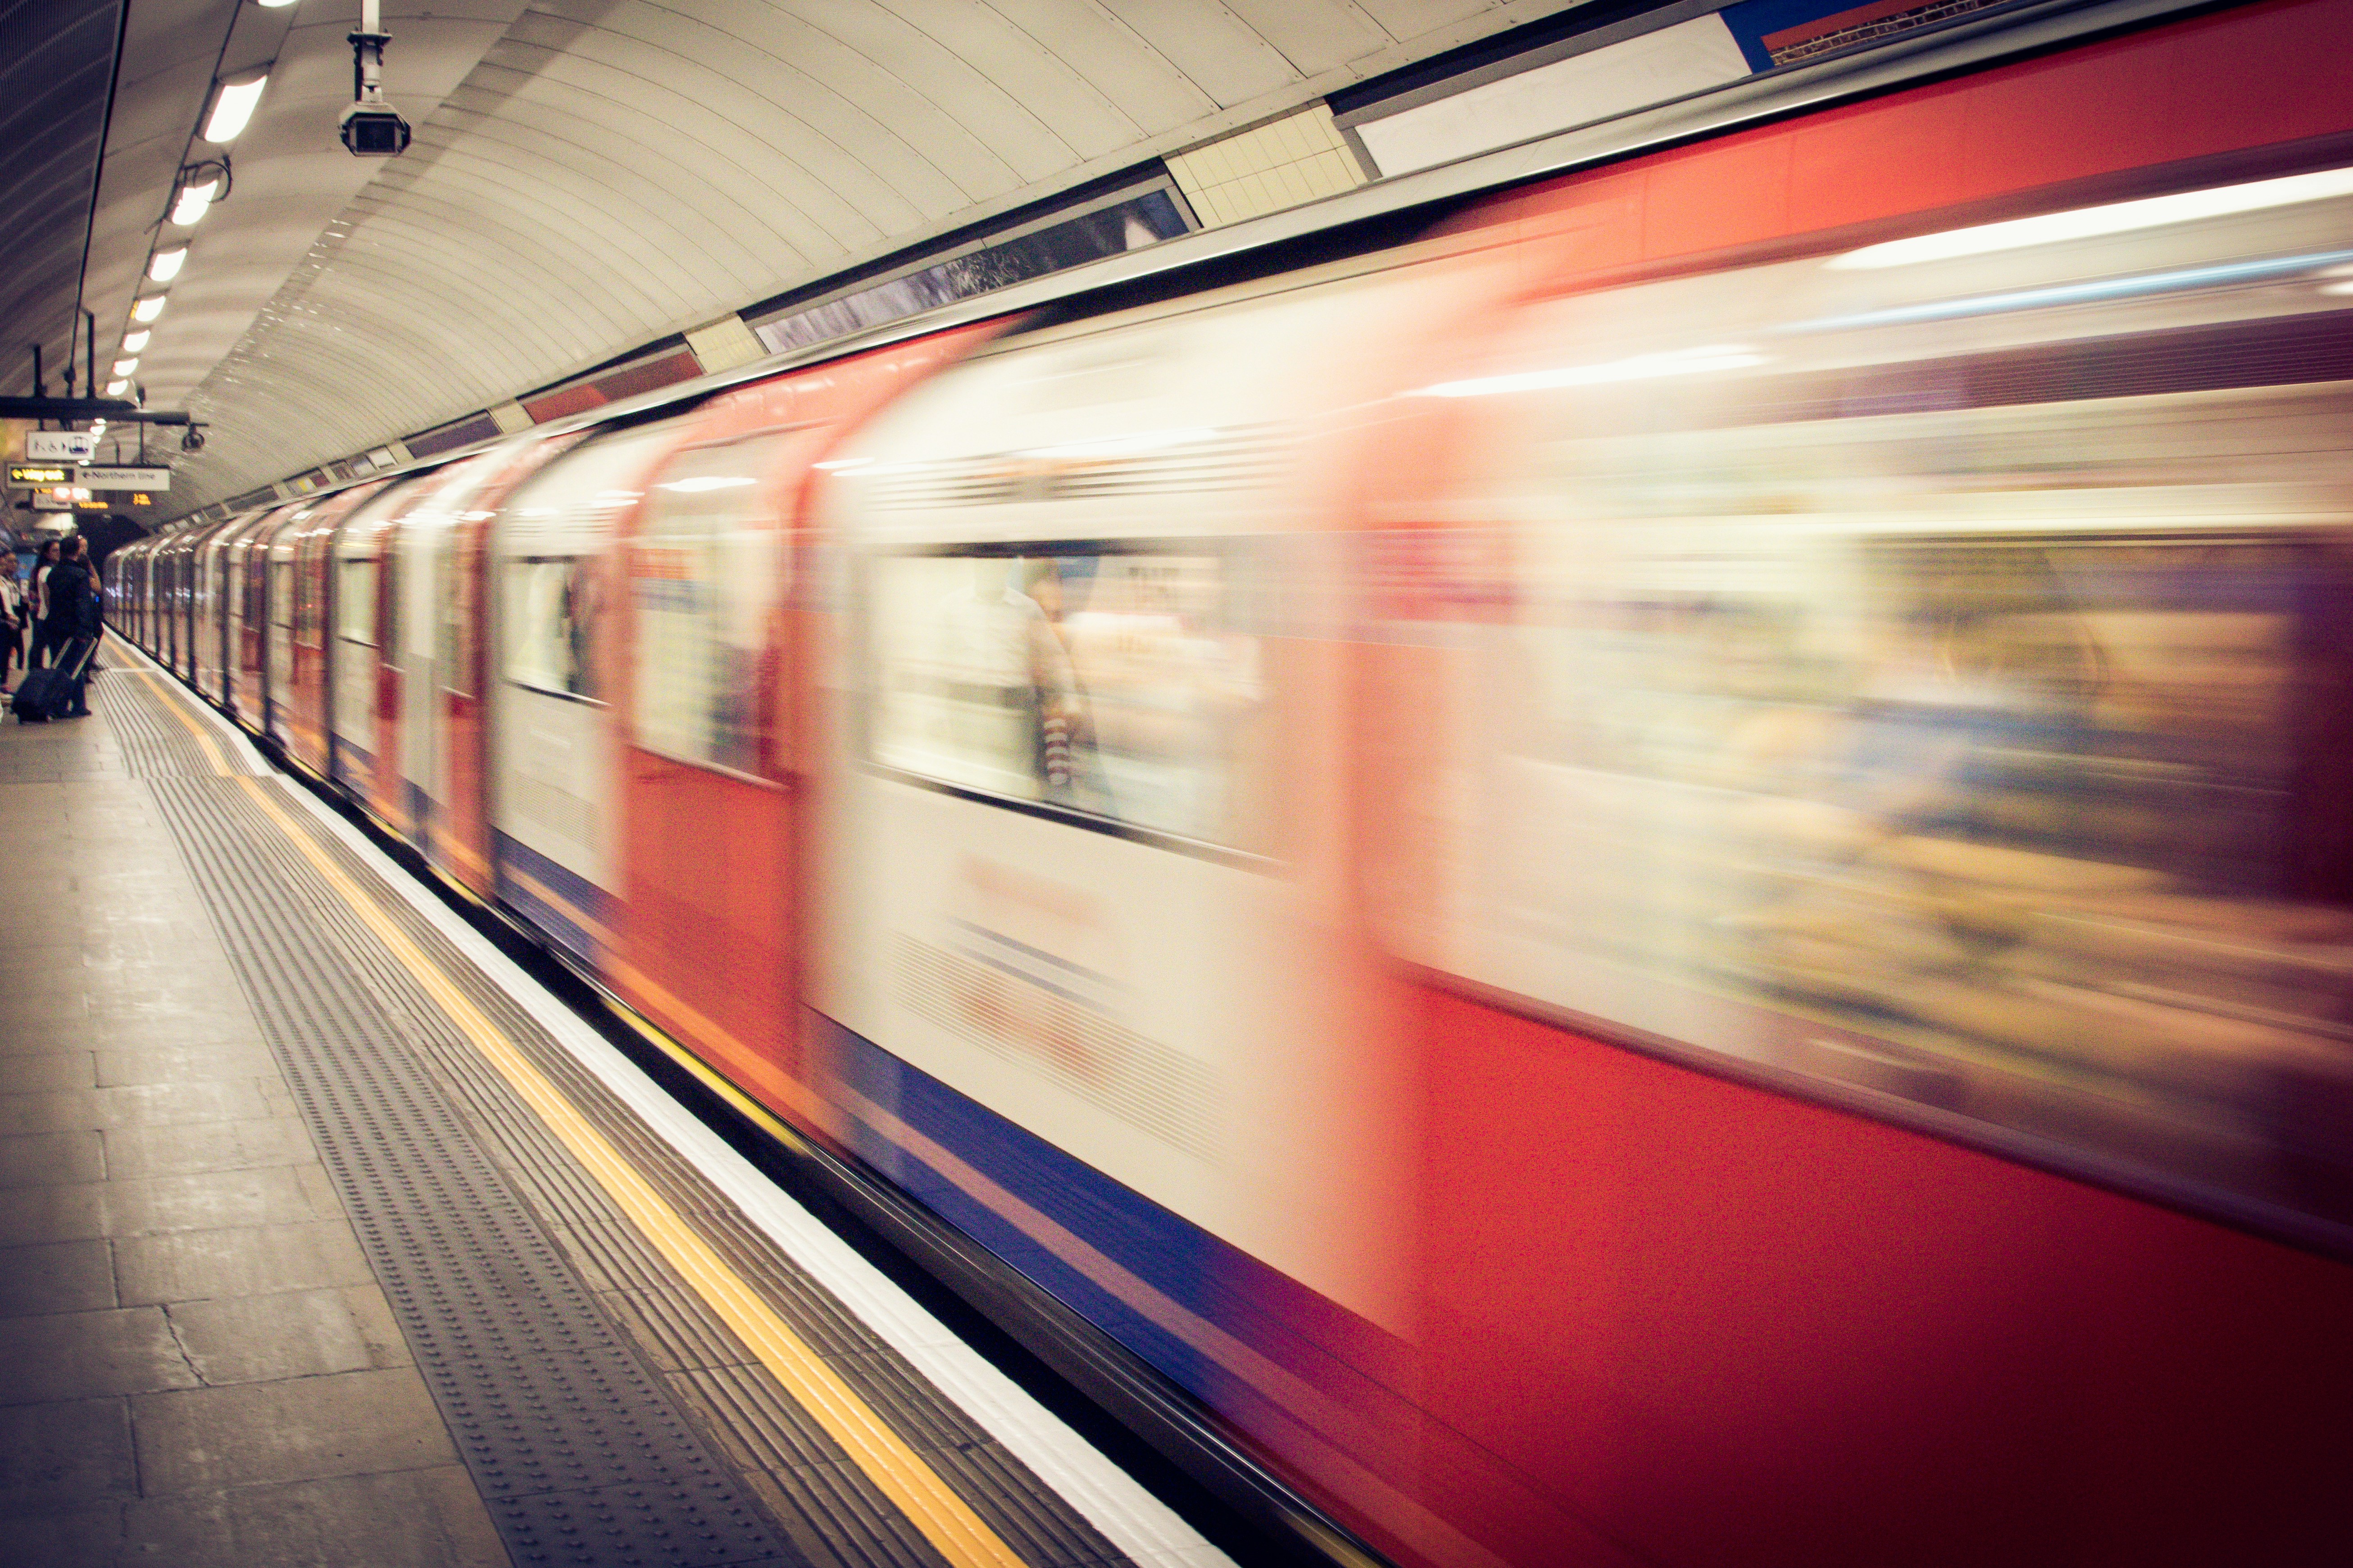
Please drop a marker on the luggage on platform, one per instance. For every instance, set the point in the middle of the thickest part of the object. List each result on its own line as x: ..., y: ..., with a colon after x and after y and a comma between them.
x: 47, y: 694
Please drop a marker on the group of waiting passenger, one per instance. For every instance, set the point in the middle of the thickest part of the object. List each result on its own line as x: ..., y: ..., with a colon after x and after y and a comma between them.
x: 51, y: 616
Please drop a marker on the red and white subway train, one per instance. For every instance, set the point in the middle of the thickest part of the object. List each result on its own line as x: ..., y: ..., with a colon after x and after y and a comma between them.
x: 1662, y: 877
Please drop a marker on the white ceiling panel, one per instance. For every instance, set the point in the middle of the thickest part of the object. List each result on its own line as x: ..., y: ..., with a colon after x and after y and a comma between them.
x: 589, y: 175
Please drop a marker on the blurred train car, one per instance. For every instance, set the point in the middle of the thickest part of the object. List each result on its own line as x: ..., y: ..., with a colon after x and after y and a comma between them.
x: 1659, y: 878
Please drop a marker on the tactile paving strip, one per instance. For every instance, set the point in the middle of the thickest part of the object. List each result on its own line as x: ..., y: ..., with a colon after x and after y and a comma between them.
x: 580, y: 1451
x: 833, y: 1509
x: 154, y: 744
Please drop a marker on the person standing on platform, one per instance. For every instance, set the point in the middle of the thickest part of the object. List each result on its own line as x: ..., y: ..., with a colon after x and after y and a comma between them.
x: 14, y: 617
x: 38, y: 617
x: 71, y: 627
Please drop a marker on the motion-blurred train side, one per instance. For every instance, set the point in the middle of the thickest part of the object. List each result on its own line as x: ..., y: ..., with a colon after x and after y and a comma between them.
x: 1665, y: 878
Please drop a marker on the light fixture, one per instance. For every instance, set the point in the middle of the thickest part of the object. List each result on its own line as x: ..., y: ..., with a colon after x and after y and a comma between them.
x: 195, y: 200
x: 147, y: 309
x: 233, y: 108
x: 117, y: 388
x: 706, y: 482
x: 167, y: 264
x: 2091, y: 223
x: 125, y: 367
x: 1639, y: 367
x: 133, y: 343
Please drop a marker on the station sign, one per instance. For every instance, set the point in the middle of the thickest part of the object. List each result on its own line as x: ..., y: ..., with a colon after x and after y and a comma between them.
x: 59, y: 445
x: 98, y: 478
x: 38, y: 474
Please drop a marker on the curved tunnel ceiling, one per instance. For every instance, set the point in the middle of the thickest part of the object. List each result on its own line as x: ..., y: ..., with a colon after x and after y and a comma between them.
x: 588, y: 175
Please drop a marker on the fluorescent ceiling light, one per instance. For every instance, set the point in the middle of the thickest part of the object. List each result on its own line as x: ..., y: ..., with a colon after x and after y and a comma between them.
x: 147, y: 309
x: 125, y: 367
x: 1641, y: 367
x: 233, y: 108
x: 2090, y: 223
x: 706, y: 482
x: 167, y: 264
x: 194, y: 202
x: 2093, y: 292
x: 117, y: 388
x: 1123, y: 446
x: 136, y: 340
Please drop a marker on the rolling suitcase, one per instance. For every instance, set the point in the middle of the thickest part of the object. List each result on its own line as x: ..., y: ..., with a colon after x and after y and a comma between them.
x: 45, y: 694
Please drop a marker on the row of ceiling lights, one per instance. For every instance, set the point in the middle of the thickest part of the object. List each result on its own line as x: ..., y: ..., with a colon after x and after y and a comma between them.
x: 200, y: 186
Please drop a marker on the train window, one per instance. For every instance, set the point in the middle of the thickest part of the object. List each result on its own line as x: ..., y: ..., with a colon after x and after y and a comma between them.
x: 1106, y: 681
x: 355, y: 601
x: 706, y: 581
x: 550, y: 543
x: 1918, y: 688
x: 281, y: 594
x: 455, y: 641
x: 550, y: 612
x: 309, y: 619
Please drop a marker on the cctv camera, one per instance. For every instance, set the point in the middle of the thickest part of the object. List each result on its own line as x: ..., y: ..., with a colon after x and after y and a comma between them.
x: 374, y: 130
x: 192, y: 439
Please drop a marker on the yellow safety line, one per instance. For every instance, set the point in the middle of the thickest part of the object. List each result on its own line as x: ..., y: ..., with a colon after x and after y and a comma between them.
x: 946, y: 1521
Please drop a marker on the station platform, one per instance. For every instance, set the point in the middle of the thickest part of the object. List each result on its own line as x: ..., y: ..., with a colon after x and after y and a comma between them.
x: 327, y: 1235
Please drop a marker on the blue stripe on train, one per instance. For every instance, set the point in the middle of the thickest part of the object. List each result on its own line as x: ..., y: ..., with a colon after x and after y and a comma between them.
x: 1206, y: 1277
x: 518, y: 865
x: 354, y: 773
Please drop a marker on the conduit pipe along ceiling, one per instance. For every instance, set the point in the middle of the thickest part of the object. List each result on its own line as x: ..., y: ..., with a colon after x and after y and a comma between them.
x: 589, y: 175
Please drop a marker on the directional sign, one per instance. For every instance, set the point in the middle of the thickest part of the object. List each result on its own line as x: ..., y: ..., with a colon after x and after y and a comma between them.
x: 59, y: 445
x: 126, y: 478
x: 40, y: 473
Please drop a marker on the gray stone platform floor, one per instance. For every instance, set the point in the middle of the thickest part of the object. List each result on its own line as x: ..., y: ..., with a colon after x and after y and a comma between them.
x: 196, y: 1366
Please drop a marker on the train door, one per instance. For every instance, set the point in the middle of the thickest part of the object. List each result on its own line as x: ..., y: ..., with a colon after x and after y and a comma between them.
x: 241, y: 618
x: 417, y: 546
x: 250, y: 681
x: 714, y: 778
x: 551, y: 796
x: 310, y: 704
x: 706, y: 938
x: 208, y: 603
x: 281, y: 599
x: 360, y: 652
x: 459, y: 842
x: 172, y: 599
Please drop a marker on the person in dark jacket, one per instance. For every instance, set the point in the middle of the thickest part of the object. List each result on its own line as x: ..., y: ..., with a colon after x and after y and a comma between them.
x: 72, y: 623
